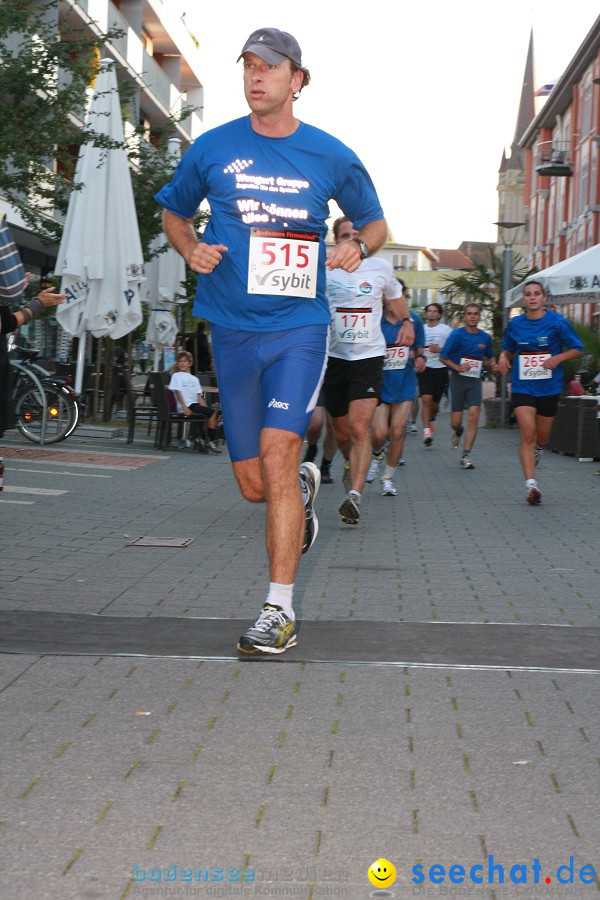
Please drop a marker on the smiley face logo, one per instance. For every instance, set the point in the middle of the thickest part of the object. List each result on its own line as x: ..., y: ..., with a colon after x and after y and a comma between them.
x: 382, y: 873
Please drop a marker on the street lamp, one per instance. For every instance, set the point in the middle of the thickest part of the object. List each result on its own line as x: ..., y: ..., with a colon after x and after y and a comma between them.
x: 508, y: 240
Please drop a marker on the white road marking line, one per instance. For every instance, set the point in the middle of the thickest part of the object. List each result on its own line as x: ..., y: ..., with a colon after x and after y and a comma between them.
x: 52, y: 472
x: 20, y: 502
x: 43, y: 492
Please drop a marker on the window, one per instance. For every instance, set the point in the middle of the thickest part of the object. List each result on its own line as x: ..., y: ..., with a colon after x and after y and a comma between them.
x: 584, y: 177
x: 586, y: 107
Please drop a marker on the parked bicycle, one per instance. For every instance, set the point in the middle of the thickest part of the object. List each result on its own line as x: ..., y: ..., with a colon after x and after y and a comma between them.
x: 38, y: 395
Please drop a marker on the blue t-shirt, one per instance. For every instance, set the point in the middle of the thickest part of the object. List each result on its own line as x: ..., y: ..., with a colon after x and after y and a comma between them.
x: 281, y: 186
x: 460, y: 343
x: 394, y: 378
x: 526, y: 337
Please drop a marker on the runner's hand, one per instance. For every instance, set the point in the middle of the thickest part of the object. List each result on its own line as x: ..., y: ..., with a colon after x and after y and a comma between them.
x: 551, y: 363
x: 345, y: 255
x: 204, y: 258
x: 406, y: 335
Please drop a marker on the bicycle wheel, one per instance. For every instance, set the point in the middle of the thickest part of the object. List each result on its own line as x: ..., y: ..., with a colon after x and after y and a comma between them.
x: 61, y: 419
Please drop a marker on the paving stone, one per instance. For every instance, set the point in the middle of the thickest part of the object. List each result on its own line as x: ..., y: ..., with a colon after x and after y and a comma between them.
x: 306, y: 772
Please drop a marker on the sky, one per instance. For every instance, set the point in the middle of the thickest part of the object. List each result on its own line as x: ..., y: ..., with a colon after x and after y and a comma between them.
x: 426, y: 94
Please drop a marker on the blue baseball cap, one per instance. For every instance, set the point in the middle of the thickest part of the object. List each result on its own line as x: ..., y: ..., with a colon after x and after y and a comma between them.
x: 273, y: 46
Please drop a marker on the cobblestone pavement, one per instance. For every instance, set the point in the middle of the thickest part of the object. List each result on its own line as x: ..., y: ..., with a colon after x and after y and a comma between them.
x: 128, y: 776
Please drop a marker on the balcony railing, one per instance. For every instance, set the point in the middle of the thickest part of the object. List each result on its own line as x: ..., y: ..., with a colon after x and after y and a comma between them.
x: 554, y: 158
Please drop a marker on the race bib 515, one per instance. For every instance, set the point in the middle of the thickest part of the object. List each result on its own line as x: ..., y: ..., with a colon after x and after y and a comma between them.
x: 283, y: 263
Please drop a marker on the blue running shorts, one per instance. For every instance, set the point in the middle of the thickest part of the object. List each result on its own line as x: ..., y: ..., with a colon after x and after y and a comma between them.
x: 267, y: 380
x: 399, y: 386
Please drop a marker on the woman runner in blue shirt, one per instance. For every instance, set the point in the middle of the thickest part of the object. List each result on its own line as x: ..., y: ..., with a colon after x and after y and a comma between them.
x: 533, y: 346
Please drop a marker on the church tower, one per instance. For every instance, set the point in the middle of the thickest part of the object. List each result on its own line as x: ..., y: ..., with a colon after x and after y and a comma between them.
x: 512, y: 205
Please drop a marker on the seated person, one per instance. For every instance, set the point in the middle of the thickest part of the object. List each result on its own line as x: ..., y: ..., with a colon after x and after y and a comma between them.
x: 190, y: 399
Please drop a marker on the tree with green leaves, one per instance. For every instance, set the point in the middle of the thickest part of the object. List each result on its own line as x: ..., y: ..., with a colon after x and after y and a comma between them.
x: 46, y: 68
x: 483, y: 284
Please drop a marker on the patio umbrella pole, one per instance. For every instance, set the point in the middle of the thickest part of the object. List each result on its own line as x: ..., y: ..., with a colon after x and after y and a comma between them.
x: 108, y: 364
x: 97, y: 380
x: 80, y: 364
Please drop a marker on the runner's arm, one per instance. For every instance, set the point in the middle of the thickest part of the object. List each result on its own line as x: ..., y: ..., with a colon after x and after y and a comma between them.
x: 419, y: 360
x: 399, y: 309
x: 346, y: 255
x: 553, y: 361
x: 504, y: 362
x: 200, y: 256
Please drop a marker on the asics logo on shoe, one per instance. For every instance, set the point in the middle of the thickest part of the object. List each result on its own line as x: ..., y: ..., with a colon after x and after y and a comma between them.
x: 370, y: 390
x: 278, y: 404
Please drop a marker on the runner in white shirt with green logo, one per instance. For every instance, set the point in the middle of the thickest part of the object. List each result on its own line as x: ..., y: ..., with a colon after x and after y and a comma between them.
x: 353, y: 378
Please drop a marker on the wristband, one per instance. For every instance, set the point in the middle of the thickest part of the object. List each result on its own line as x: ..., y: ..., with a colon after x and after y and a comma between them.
x: 35, y: 306
x: 26, y: 313
x: 407, y: 319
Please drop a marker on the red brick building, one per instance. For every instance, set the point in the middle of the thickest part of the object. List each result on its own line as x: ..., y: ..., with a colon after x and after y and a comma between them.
x: 562, y: 177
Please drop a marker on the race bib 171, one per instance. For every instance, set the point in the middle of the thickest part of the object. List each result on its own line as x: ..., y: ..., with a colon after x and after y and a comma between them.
x: 353, y: 326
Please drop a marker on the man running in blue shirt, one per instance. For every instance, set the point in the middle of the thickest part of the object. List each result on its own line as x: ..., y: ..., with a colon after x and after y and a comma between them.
x: 268, y: 178
x: 465, y: 352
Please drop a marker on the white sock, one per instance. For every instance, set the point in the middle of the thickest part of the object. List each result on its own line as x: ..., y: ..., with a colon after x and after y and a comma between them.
x: 390, y: 471
x: 529, y: 482
x: 281, y: 595
x: 355, y: 496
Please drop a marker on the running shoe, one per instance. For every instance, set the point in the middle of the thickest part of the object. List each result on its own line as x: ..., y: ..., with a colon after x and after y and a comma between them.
x: 349, y: 510
x: 401, y: 461
x: 538, y: 452
x: 346, y: 476
x: 310, y: 475
x: 326, y: 476
x: 375, y: 460
x: 458, y: 432
x: 534, y: 495
x: 466, y: 462
x: 212, y: 447
x: 412, y: 428
x: 428, y: 435
x: 273, y: 632
x: 387, y: 488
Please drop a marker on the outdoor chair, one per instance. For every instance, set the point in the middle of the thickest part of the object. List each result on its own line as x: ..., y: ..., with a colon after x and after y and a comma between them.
x: 137, y: 410
x: 118, y: 390
x: 165, y: 415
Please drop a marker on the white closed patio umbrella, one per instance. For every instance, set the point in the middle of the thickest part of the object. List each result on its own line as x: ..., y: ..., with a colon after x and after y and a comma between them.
x: 573, y: 280
x: 164, y: 276
x: 100, y: 257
